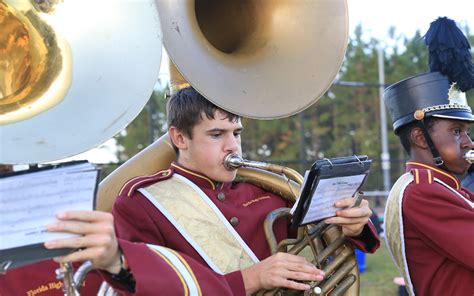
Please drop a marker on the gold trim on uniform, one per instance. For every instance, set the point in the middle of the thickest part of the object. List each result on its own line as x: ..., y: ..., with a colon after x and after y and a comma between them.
x: 145, y: 179
x: 417, y: 176
x: 436, y: 170
x: 183, y: 281
x: 189, y: 270
x: 149, y: 178
x: 197, y: 175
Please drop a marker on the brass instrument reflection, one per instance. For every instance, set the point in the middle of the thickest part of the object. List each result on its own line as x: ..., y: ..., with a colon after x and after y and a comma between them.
x: 35, y: 63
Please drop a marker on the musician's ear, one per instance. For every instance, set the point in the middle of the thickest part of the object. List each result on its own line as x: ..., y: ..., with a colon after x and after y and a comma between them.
x: 417, y: 138
x: 178, y: 138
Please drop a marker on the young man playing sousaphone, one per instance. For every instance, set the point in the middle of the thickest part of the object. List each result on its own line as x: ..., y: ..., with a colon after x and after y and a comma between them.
x: 205, y: 232
x: 429, y: 217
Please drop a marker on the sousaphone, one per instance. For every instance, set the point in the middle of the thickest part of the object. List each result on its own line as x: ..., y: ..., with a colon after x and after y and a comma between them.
x: 265, y: 60
x: 261, y: 59
x: 99, y: 61
x: 73, y: 73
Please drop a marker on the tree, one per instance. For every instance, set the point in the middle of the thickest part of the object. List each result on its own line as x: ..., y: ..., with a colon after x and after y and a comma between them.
x: 344, y: 121
x: 148, y: 126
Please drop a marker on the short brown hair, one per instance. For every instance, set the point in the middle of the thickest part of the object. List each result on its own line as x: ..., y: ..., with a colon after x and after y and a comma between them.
x: 186, y: 108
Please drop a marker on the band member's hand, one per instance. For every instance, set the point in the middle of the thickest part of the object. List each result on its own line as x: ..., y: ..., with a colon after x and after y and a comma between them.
x: 97, y: 242
x: 352, y: 220
x: 280, y: 270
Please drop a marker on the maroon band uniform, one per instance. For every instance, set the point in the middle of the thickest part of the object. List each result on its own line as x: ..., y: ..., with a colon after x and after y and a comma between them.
x: 439, y: 232
x: 244, y: 205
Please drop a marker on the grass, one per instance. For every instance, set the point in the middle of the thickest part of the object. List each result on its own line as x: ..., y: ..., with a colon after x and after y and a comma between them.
x: 379, y: 273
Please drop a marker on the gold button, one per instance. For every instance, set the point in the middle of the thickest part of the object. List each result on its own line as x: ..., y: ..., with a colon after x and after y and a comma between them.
x: 165, y: 173
x: 221, y: 196
x: 234, y: 221
x: 419, y: 114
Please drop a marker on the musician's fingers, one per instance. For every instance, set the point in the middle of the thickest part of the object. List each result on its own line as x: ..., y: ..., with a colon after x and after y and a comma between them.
x: 351, y: 226
x: 355, y: 212
x: 291, y: 258
x: 281, y: 270
x: 285, y: 283
x: 285, y: 275
x: 303, y: 275
x: 347, y: 221
x: 350, y: 202
x: 77, y: 256
x: 103, y: 251
x: 344, y: 202
x: 353, y: 229
x: 101, y: 258
x: 89, y: 241
x: 80, y: 227
x: 294, y: 266
x: 86, y: 216
x: 362, y: 211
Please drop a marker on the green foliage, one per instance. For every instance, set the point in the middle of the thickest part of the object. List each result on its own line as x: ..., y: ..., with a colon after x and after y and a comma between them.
x: 345, y: 121
x: 148, y: 126
x: 378, y: 276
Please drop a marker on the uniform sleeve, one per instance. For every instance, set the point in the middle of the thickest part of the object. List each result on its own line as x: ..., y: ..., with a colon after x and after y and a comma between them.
x: 133, y: 224
x: 368, y: 241
x: 161, y: 271
x: 443, y: 220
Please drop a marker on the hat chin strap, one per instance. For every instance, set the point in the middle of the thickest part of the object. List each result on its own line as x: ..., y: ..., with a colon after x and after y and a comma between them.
x: 436, y: 156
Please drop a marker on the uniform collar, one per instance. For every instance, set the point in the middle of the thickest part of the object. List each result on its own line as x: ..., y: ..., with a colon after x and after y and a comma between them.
x: 197, y: 178
x: 442, y: 175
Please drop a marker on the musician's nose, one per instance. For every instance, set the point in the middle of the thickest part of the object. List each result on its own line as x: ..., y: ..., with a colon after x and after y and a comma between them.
x: 232, y: 143
x: 467, y: 142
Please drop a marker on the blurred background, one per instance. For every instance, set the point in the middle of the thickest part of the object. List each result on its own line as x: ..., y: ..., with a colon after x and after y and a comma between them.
x: 385, y: 46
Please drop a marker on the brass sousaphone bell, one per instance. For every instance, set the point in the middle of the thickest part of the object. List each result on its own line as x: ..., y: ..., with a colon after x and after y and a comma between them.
x: 261, y: 59
x: 73, y: 73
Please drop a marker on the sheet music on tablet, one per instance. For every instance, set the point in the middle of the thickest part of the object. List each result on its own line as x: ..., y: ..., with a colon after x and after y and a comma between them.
x: 29, y: 200
x: 328, y: 181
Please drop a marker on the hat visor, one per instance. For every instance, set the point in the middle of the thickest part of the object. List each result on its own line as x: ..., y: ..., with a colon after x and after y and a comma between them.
x: 455, y: 115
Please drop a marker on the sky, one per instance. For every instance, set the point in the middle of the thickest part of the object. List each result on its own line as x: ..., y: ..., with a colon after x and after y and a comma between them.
x: 376, y: 17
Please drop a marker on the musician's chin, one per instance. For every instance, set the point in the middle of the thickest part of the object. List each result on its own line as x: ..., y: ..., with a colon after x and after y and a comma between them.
x: 225, y: 176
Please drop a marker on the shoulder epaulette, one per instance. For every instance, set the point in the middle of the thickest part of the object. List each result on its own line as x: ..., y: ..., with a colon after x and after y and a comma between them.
x: 422, y: 176
x: 141, y: 181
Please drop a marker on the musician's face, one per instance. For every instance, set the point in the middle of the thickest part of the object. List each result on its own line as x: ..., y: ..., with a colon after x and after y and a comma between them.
x: 451, y: 138
x: 211, y: 141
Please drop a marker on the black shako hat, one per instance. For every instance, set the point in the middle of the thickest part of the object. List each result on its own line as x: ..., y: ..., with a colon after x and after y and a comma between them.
x: 428, y: 94
x: 439, y: 93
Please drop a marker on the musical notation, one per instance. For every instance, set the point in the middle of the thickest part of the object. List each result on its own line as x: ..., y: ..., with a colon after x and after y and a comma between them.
x: 328, y: 192
x: 328, y: 181
x: 28, y: 202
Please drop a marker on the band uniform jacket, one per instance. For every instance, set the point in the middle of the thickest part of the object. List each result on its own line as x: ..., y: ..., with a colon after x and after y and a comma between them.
x: 438, y: 221
x: 244, y: 205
